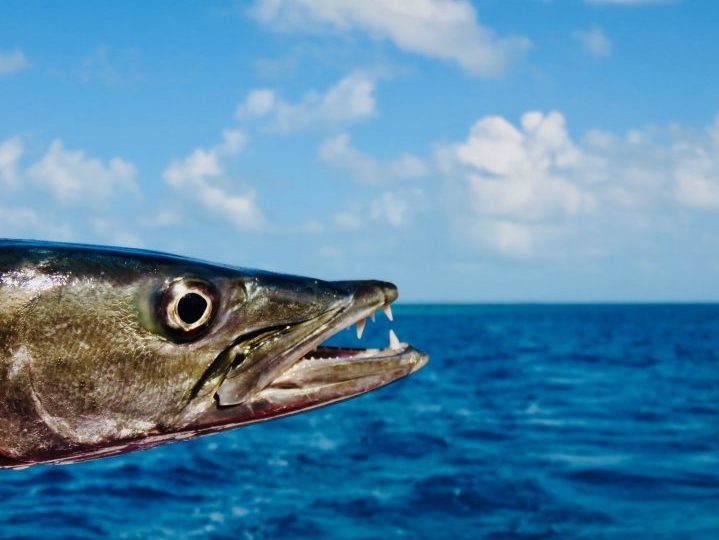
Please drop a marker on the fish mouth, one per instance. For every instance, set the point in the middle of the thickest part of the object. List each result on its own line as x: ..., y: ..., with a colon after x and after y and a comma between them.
x: 289, y: 368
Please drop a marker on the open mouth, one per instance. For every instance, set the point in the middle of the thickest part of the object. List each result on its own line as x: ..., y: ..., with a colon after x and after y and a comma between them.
x: 340, y: 372
x: 293, y: 370
x: 325, y: 365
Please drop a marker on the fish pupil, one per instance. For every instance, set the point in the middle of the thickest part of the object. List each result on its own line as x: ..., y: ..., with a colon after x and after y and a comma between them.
x: 191, y: 308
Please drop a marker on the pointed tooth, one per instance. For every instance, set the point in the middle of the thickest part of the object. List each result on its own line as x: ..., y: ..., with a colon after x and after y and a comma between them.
x: 371, y: 316
x: 360, y: 327
x: 393, y: 341
x: 388, y: 312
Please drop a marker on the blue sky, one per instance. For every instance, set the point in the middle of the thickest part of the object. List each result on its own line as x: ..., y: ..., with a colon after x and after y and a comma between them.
x: 555, y: 150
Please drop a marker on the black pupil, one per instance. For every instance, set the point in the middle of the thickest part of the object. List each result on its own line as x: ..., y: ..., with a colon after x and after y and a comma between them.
x: 191, y: 308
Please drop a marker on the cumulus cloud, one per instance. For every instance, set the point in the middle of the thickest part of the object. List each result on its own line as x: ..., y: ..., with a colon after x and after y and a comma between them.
x: 443, y: 29
x: 68, y: 189
x: 364, y: 169
x: 12, y: 62
x: 395, y: 208
x: 697, y: 171
x: 257, y: 104
x: 595, y: 42
x: 510, y: 181
x: 74, y: 178
x: 697, y: 184
x: 349, y: 100
x: 521, y: 173
x: 199, y: 176
x: 517, y: 189
x: 10, y: 153
x: 656, y: 168
x: 506, y: 237
x: 23, y: 222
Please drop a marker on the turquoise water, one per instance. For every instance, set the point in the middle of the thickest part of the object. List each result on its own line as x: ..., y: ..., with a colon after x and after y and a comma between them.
x: 540, y: 421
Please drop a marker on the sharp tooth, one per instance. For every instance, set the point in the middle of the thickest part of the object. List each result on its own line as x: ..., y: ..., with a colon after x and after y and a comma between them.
x: 393, y: 341
x: 388, y: 312
x: 371, y: 316
x: 360, y: 327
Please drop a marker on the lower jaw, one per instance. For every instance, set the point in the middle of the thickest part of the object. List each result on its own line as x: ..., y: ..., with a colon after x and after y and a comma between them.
x: 329, y: 366
x: 325, y: 376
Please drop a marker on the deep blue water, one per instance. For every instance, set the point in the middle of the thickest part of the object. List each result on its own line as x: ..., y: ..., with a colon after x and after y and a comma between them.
x: 528, y: 422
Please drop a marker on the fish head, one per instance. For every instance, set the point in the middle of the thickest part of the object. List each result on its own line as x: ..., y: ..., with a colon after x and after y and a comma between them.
x: 128, y: 350
x: 276, y: 365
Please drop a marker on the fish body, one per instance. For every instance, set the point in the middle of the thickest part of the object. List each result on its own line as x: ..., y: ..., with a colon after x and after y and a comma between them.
x: 107, y: 350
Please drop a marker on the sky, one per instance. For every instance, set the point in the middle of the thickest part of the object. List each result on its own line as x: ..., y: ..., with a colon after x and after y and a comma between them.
x: 483, y: 151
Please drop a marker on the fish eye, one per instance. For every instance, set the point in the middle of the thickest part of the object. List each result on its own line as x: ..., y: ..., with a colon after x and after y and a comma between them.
x: 188, y: 307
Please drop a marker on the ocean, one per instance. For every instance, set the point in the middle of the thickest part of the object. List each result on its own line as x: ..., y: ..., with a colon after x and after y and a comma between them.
x: 530, y: 421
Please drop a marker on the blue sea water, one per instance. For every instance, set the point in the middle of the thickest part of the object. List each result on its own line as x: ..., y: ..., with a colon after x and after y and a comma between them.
x: 536, y: 421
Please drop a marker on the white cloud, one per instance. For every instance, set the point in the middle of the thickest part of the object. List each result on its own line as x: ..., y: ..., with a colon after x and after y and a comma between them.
x: 506, y: 237
x: 202, y: 163
x: 656, y: 168
x: 443, y: 29
x: 339, y: 152
x: 197, y: 176
x: 348, y: 101
x: 696, y: 187
x: 22, y: 222
x: 595, y: 42
x: 59, y: 178
x: 523, y: 190
x: 697, y: 172
x: 511, y: 187
x: 258, y: 103
x: 12, y: 62
x: 10, y: 153
x: 395, y: 208
x: 74, y: 178
x: 522, y: 174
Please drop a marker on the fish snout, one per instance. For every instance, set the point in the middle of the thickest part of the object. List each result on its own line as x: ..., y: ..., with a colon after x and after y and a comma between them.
x: 369, y: 292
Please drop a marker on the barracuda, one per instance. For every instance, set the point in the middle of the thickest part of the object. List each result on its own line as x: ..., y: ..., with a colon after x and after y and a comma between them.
x: 105, y: 351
